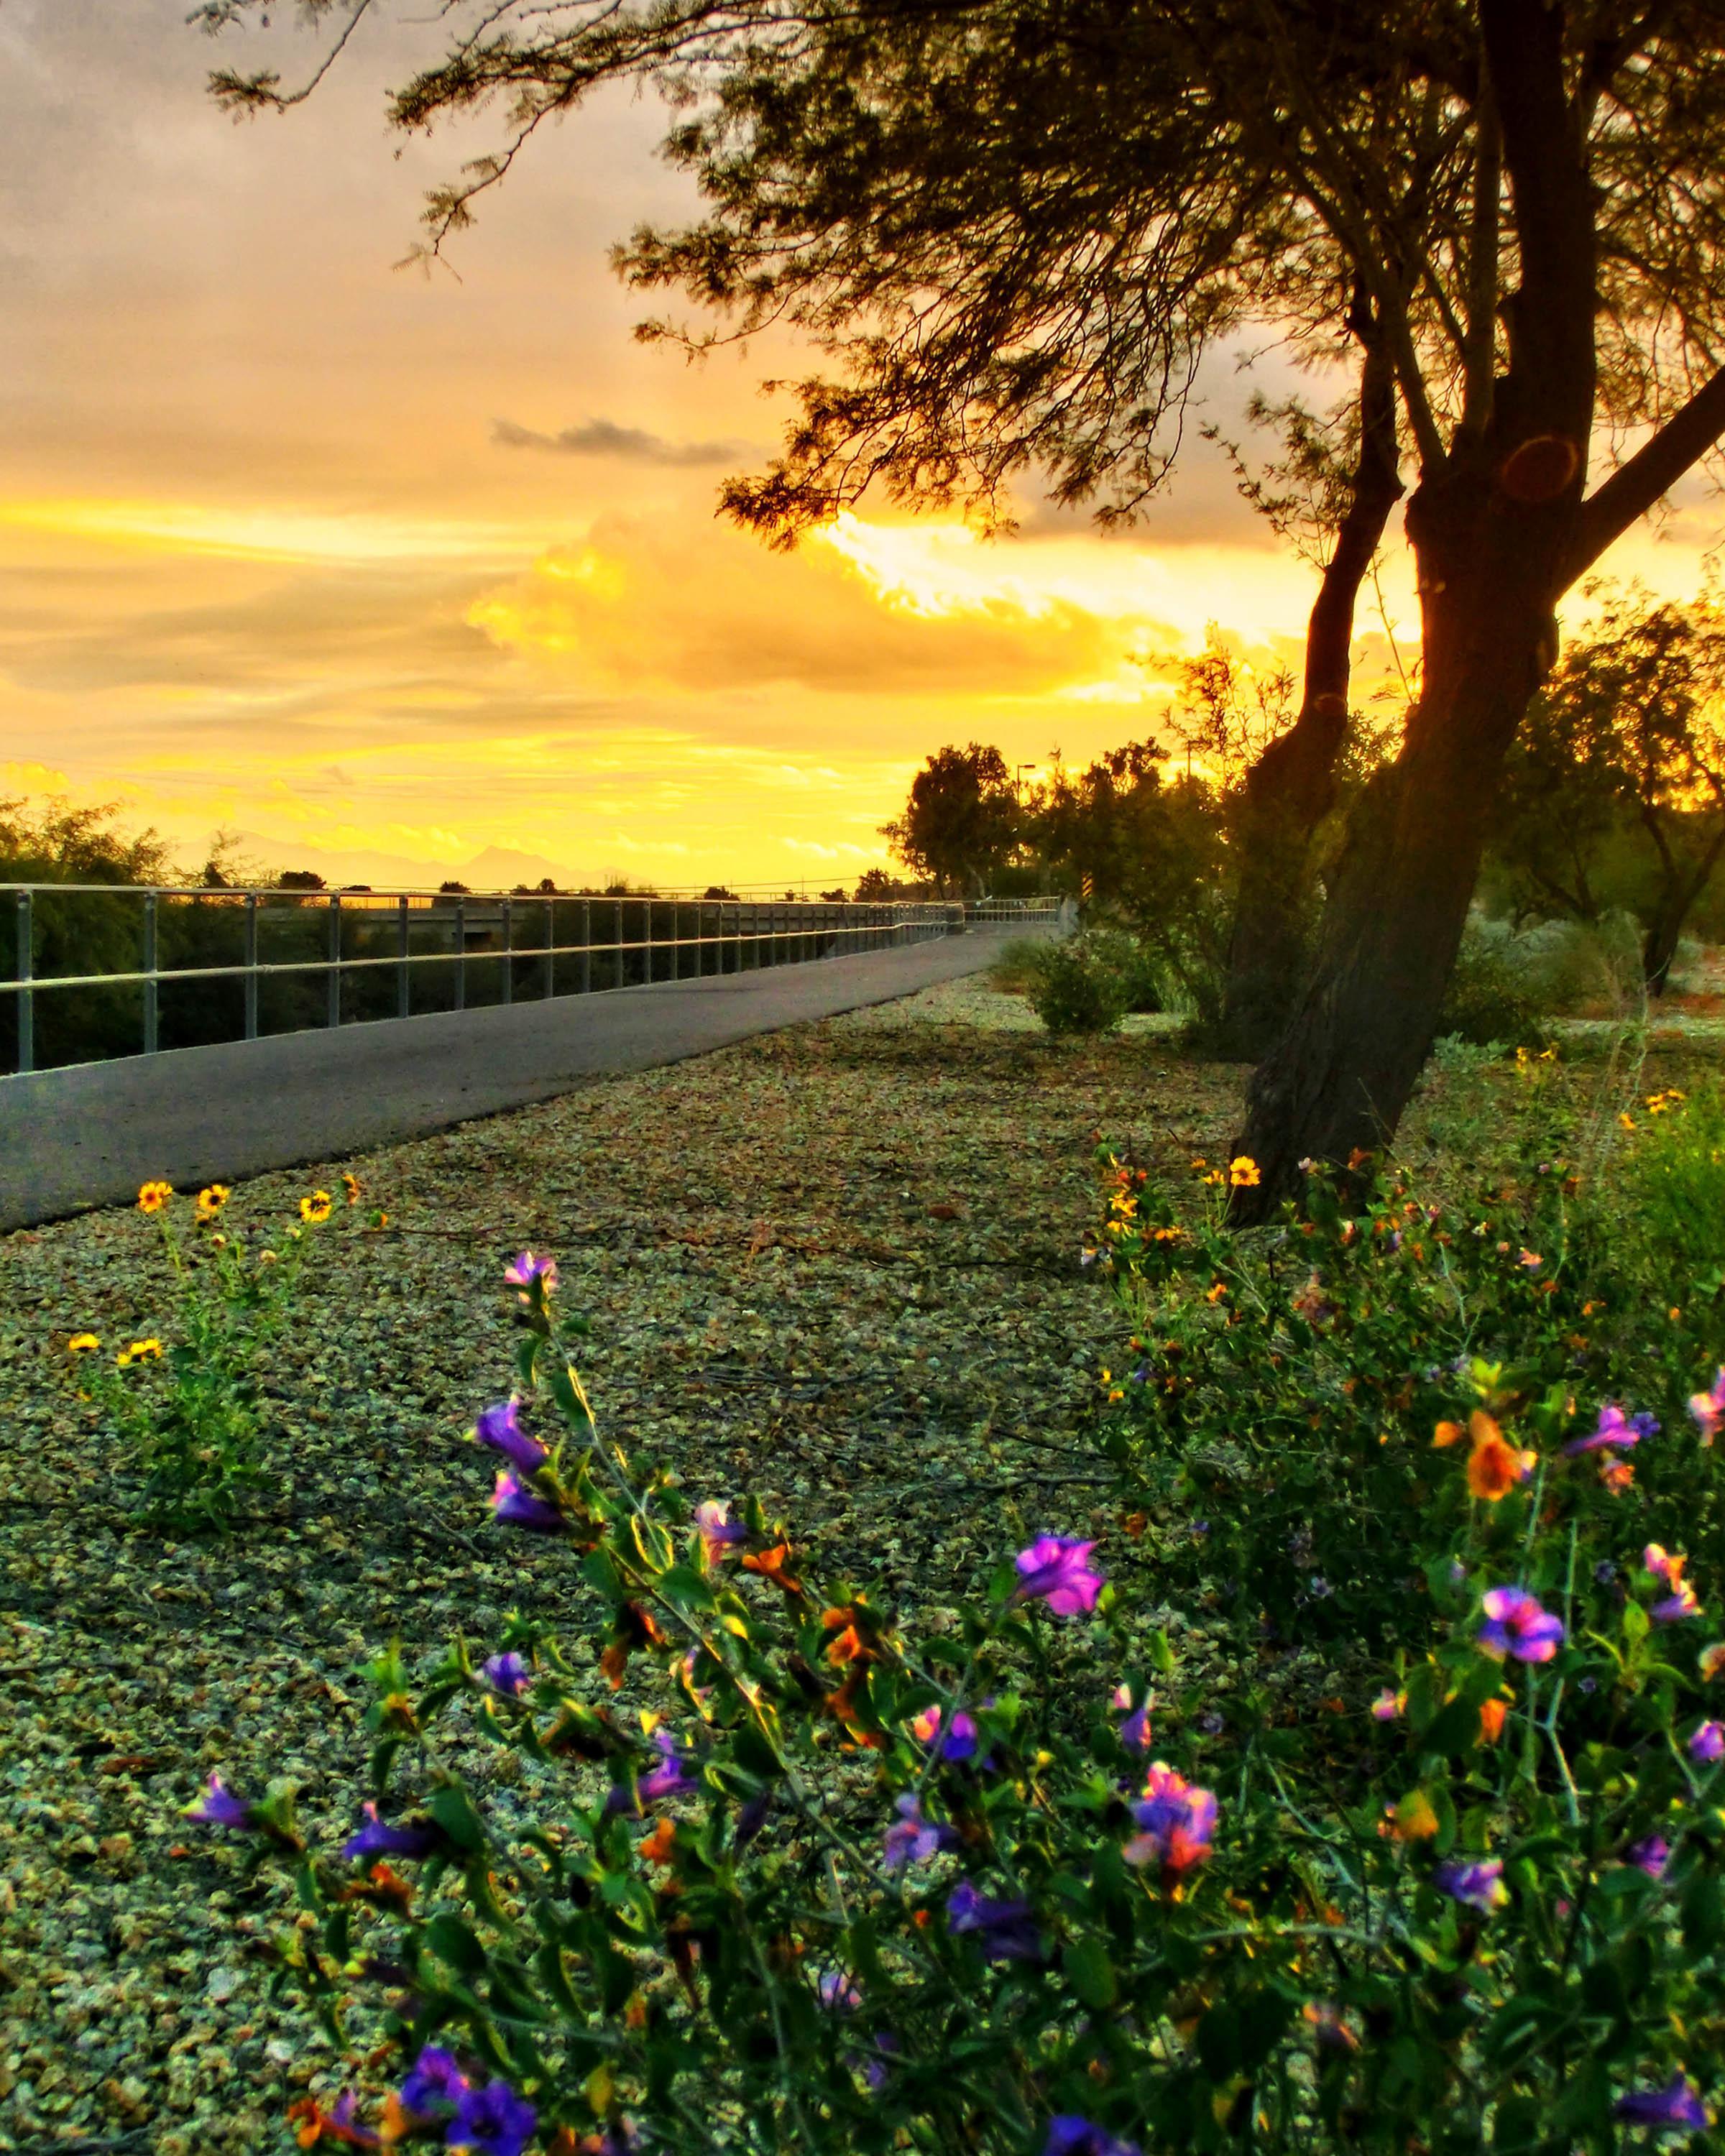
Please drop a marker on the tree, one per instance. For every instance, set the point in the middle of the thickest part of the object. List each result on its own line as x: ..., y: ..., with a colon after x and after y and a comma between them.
x: 961, y: 821
x: 1628, y: 734
x: 1015, y: 226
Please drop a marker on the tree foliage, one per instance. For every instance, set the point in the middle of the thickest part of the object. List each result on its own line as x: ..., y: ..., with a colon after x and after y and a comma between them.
x: 962, y: 821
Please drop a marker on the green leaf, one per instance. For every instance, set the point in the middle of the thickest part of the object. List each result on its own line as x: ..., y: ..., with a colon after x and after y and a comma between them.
x: 1091, y: 1974
x: 450, y: 1808
x: 1703, y: 1914
x: 455, y: 1942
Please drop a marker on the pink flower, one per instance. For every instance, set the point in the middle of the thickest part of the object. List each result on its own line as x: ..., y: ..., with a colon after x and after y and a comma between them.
x: 1707, y: 1744
x: 1056, y: 1570
x: 1709, y: 1409
x: 1516, y: 1625
x: 1388, y: 1705
x: 1176, y: 1822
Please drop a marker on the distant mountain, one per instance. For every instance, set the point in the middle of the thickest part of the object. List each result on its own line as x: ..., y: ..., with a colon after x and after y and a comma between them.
x: 497, y: 868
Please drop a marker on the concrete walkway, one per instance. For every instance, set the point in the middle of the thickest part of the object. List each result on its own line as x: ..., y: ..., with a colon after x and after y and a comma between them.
x: 88, y: 1135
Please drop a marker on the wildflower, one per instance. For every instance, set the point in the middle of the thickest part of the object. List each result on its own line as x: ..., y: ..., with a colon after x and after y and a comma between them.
x: 493, y: 2120
x: 1312, y: 1304
x: 1625, y: 1120
x: 434, y: 2083
x: 500, y: 1427
x: 1242, y: 1172
x: 1615, y: 1476
x: 911, y: 1838
x: 1515, y: 1625
x: 1493, y: 1714
x: 350, y: 1187
x: 82, y: 1343
x: 514, y: 1505
x: 1678, y: 2104
x: 1056, y: 1570
x: 960, y: 1742
x: 668, y: 1779
x: 153, y: 1196
x: 211, y: 1200
x: 1475, y: 1886
x: 770, y: 1564
x: 1494, y: 1467
x: 315, y: 1209
x: 219, y: 1806
x: 719, y: 1532
x: 1711, y: 1660
x: 1708, y: 1408
x: 1388, y: 1705
x: 1613, y: 1428
x: 1667, y: 1566
x: 141, y: 1351
x: 1650, y: 1854
x: 1708, y: 1743
x: 509, y: 1674
x: 1530, y: 1260
x: 337, y: 2125
x: 528, y: 1268
x: 377, y: 1838
x: 1070, y: 2135
x: 1216, y: 1291
x: 1175, y: 1822
x: 1005, y: 1931
x: 1135, y: 1730
x: 1324, y: 2019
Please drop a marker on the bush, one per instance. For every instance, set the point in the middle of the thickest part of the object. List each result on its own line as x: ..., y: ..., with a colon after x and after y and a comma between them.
x: 1076, y: 986
x: 839, y: 1888
x: 1496, y: 994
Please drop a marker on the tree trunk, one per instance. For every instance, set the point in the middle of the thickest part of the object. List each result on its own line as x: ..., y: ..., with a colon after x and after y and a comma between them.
x: 1658, y: 945
x: 1291, y: 787
x: 1342, y: 1073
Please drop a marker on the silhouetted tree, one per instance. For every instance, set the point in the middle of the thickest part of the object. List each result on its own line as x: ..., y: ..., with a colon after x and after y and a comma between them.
x: 961, y: 822
x: 1015, y: 226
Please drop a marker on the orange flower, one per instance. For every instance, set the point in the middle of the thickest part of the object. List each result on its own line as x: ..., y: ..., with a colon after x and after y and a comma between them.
x: 656, y: 1847
x: 770, y: 1565
x: 1413, y: 1820
x: 1491, y: 1719
x: 151, y: 1198
x: 1495, y: 1467
x: 1617, y: 1475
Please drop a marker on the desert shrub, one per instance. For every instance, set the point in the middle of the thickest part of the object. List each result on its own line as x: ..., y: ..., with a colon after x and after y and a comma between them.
x: 1014, y: 971
x: 1498, y: 990
x: 1031, y: 1884
x: 1076, y: 986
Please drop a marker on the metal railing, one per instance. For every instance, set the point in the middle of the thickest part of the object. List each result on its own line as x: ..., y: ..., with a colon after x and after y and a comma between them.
x: 329, y: 958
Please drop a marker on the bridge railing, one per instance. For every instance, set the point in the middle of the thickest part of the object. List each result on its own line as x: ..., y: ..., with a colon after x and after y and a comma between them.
x: 109, y: 970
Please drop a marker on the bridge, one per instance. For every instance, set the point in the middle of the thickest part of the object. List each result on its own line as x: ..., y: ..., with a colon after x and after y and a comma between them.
x: 640, y: 991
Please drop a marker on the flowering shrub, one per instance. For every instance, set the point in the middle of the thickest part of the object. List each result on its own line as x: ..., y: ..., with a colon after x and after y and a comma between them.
x: 778, y: 1874
x: 188, y: 1409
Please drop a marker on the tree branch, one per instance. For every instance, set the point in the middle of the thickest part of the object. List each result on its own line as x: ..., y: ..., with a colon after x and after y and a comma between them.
x: 1654, y: 469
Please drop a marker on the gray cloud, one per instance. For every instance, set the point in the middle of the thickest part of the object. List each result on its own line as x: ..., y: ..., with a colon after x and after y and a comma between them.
x: 604, y: 438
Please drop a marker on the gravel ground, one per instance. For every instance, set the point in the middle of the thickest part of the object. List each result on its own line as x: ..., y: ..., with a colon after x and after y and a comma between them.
x: 835, y: 1265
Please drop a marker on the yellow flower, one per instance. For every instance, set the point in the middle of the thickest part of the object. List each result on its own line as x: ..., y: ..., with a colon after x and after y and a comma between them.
x: 1626, y: 1120
x: 1242, y: 1172
x: 80, y: 1343
x: 141, y: 1351
x: 211, y: 1201
x: 316, y: 1208
x: 350, y: 1184
x: 1215, y: 1292
x: 1214, y: 1176
x: 154, y: 1196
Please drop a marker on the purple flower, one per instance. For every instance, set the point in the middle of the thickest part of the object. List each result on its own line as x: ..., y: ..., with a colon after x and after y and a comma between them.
x: 219, y: 1806
x: 345, y: 2125
x: 718, y: 1530
x: 1677, y: 2104
x: 753, y: 1818
x: 1005, y: 1931
x: 837, y: 1992
x: 433, y: 2081
x: 1614, y: 1427
x: 1135, y: 1730
x: 515, y: 1505
x: 527, y: 1268
x: 493, y: 2120
x: 1650, y: 1854
x: 1069, y: 2135
x: 1056, y: 1570
x: 1515, y: 1625
x: 959, y: 1744
x: 377, y: 1838
x: 1707, y: 1744
x: 1645, y: 1425
x: 500, y: 1427
x: 668, y: 1779
x: 910, y: 1838
x: 1475, y: 1886
x: 509, y: 1674
x: 1176, y: 1822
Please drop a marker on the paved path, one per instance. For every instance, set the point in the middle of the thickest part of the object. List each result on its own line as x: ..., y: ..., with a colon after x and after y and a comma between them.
x: 88, y: 1135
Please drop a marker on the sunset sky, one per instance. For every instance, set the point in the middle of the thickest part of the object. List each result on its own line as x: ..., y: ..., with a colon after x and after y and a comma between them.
x: 382, y: 570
